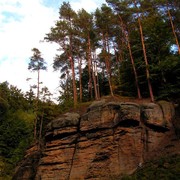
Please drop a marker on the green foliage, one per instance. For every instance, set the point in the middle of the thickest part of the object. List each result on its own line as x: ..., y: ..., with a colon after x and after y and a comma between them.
x: 113, y: 31
x: 102, y: 83
x: 3, y: 106
x: 166, y: 168
x: 12, y: 129
x: 16, y: 125
x: 158, y: 38
x: 127, y: 81
x: 36, y: 61
x: 170, y: 74
x: 66, y: 98
x: 17, y: 115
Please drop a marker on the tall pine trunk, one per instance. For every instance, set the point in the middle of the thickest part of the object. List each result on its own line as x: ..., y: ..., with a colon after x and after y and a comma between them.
x: 74, y: 81
x: 80, y: 78
x: 107, y: 62
x: 145, y: 57
x: 75, y: 98
x: 89, y: 67
x: 40, y: 129
x: 38, y: 84
x: 92, y: 78
x: 95, y: 81
x: 36, y: 106
x: 131, y: 56
x: 109, y: 68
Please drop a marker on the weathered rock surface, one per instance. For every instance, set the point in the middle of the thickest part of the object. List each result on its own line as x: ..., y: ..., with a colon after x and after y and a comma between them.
x: 109, y: 140
x: 28, y: 166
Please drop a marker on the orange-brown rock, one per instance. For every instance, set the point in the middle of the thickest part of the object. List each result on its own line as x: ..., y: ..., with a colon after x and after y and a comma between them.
x: 109, y: 140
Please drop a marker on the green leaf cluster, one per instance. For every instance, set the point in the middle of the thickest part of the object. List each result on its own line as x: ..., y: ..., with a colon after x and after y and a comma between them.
x: 16, y: 125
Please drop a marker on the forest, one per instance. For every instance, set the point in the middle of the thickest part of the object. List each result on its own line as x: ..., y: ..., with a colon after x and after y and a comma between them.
x: 125, y: 48
x: 129, y: 48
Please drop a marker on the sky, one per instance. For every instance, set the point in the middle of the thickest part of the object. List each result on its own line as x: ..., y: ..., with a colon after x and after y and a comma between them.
x: 23, y: 25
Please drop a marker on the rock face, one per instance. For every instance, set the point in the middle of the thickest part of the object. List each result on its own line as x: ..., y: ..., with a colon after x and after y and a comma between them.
x: 109, y: 140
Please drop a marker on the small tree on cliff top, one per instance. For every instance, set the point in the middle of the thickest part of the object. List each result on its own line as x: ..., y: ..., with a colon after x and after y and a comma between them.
x: 36, y: 63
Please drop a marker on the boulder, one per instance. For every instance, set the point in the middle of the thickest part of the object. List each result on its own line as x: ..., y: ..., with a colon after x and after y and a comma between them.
x: 67, y: 124
x: 158, y: 115
x: 109, y: 140
x: 103, y: 116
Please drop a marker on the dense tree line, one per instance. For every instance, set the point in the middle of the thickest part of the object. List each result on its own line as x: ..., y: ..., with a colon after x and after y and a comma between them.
x: 16, y: 124
x: 126, y: 47
x: 17, y: 115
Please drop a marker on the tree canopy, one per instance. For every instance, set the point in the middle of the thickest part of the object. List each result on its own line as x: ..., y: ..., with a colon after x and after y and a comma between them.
x: 133, y: 44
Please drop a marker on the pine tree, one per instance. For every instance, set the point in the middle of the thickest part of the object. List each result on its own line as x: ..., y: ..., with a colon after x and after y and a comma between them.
x: 122, y: 13
x: 104, y: 26
x: 144, y: 53
x: 63, y: 34
x: 37, y: 64
x: 85, y: 25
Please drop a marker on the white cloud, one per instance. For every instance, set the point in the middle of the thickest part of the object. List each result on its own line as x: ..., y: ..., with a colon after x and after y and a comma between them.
x: 23, y: 23
x: 19, y: 34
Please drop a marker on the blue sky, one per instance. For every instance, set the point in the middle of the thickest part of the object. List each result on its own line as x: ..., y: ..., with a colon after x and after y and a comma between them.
x: 23, y: 24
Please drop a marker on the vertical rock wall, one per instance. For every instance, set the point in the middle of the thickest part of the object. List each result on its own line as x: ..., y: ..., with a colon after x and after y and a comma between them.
x: 109, y: 140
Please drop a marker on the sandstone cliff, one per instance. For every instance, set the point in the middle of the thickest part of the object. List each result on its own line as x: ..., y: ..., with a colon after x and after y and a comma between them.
x: 110, y: 139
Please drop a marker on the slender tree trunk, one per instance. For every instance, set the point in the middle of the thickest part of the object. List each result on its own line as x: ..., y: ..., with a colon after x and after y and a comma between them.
x: 107, y: 62
x: 173, y: 29
x: 145, y: 57
x: 131, y: 56
x: 146, y: 62
x: 119, y: 46
x: 97, y: 81
x: 117, y: 55
x: 74, y: 81
x: 68, y: 88
x: 89, y: 67
x: 38, y: 83
x: 134, y: 70
x: 36, y: 106
x: 94, y: 80
x: 96, y: 75
x: 109, y: 68
x: 70, y: 56
x: 40, y: 129
x: 80, y: 79
x: 35, y: 127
